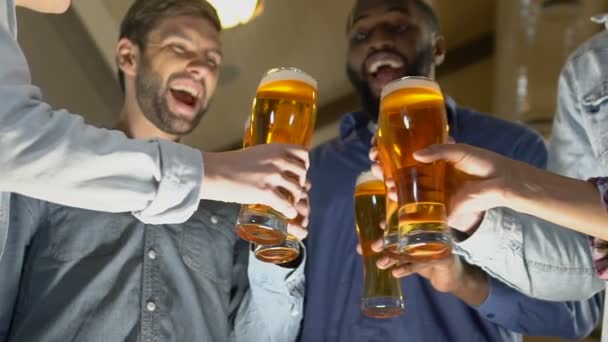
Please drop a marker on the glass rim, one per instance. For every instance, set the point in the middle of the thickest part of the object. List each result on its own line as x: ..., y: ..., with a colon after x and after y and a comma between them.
x: 409, y: 82
x: 366, y: 177
x: 274, y: 74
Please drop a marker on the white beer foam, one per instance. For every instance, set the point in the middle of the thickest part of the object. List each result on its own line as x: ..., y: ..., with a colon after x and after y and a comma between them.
x: 410, y: 82
x: 366, y: 176
x: 281, y: 74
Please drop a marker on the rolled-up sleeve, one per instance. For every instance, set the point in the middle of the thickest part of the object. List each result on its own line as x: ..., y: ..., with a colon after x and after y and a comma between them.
x: 272, y: 310
x: 520, y: 313
x: 537, y: 257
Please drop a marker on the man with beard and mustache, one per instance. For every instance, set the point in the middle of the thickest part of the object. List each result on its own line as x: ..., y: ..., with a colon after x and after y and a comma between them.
x: 448, y: 300
x: 53, y: 155
x: 71, y: 274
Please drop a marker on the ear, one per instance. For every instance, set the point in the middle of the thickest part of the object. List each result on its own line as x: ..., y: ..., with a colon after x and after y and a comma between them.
x: 127, y: 57
x: 439, y: 48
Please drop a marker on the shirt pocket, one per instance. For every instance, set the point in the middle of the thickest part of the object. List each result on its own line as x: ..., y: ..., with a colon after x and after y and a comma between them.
x: 76, y: 234
x: 592, y: 69
x: 208, y: 243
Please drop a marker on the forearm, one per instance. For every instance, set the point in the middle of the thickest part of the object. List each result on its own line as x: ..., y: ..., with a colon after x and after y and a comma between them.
x: 568, y: 202
x: 473, y: 287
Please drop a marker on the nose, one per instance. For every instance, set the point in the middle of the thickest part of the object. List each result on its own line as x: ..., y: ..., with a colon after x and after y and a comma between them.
x: 381, y: 38
x: 199, y: 68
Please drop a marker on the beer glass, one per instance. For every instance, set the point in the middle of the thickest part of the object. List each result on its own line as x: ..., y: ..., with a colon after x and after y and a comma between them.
x: 382, y: 296
x: 284, y: 111
x: 412, y: 117
x: 280, y: 253
x: 391, y: 232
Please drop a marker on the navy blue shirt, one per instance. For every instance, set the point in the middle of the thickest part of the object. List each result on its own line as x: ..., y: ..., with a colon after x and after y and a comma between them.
x: 334, y: 271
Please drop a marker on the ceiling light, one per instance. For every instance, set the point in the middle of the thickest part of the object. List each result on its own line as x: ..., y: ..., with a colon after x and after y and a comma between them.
x: 236, y: 12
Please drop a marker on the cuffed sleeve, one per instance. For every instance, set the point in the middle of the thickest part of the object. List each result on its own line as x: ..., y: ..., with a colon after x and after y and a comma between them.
x: 179, y: 186
x: 536, y: 257
x: 273, y: 309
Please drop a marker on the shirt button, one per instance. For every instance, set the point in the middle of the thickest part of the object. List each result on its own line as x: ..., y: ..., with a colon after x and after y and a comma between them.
x: 152, y: 254
x: 1, y: 212
x: 214, y: 219
x: 151, y: 306
x: 490, y: 316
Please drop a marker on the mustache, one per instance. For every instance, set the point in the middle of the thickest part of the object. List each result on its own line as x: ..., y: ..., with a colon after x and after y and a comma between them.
x: 185, y: 74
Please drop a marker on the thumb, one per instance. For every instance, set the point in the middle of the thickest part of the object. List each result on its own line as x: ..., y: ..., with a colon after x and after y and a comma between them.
x: 452, y: 153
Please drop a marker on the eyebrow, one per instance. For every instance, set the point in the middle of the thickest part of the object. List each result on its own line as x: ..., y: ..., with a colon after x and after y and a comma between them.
x: 397, y: 9
x: 171, y: 33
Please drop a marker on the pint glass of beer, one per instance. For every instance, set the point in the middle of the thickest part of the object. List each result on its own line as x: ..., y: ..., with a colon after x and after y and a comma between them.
x: 280, y: 253
x: 391, y: 231
x: 284, y: 111
x: 382, y: 296
x: 412, y: 117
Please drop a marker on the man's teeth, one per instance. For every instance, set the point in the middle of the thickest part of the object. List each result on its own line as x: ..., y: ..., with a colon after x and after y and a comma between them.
x: 373, y: 68
x: 193, y: 92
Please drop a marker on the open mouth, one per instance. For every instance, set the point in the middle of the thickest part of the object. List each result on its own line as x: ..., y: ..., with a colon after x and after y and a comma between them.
x: 187, y: 95
x: 384, y: 67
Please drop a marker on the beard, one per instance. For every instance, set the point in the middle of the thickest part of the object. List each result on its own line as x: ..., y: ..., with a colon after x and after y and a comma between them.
x: 370, y: 102
x: 152, y: 99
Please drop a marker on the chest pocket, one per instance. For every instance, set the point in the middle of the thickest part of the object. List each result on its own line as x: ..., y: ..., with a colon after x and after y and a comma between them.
x: 208, y: 241
x: 593, y: 88
x: 76, y: 233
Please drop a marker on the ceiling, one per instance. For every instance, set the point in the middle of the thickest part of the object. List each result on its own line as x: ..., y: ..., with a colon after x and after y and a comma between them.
x: 306, y: 34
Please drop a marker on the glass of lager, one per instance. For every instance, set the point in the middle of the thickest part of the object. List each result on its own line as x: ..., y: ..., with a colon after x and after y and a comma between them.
x: 284, y: 111
x: 412, y: 117
x: 391, y: 232
x: 382, y: 297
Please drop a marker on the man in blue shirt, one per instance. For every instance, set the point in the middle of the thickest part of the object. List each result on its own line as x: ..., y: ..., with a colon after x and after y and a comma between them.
x: 446, y: 301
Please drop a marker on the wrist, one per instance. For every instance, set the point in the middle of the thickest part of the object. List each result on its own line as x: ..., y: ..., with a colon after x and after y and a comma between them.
x: 515, y: 187
x: 473, y: 286
x: 522, y: 188
x: 210, y: 175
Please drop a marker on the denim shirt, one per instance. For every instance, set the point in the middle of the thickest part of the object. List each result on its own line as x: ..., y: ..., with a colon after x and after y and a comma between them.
x: 535, y: 256
x: 76, y: 275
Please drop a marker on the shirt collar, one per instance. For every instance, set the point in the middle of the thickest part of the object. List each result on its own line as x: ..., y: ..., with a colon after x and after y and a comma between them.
x: 601, y: 19
x: 8, y: 18
x: 359, y: 124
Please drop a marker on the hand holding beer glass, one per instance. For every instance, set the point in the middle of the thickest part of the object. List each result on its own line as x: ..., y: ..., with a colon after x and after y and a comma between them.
x: 412, y: 117
x: 382, y: 297
x: 284, y: 111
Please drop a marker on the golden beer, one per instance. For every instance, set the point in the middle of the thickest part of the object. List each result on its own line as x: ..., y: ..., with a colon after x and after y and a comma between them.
x: 281, y: 253
x: 412, y: 117
x: 382, y: 297
x: 284, y: 111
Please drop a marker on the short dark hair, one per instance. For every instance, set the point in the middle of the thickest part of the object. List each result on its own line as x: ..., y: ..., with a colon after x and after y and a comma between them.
x: 144, y: 15
x: 428, y: 13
